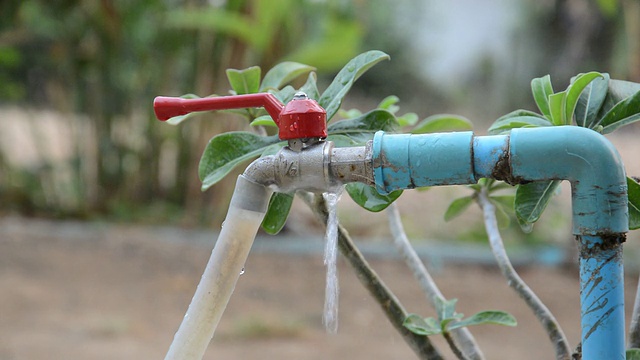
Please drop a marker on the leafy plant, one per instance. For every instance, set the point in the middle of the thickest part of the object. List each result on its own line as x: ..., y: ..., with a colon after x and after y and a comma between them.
x: 592, y: 100
x: 448, y: 320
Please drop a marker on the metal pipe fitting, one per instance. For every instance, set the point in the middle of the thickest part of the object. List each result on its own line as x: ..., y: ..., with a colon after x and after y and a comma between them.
x: 318, y: 167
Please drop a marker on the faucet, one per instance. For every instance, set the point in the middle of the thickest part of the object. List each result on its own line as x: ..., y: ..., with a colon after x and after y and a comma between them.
x: 308, y: 162
x: 405, y: 161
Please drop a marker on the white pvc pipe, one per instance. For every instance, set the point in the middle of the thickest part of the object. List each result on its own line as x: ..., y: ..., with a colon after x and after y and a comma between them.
x: 225, y: 265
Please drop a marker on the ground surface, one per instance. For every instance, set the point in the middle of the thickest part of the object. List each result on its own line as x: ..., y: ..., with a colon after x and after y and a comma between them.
x: 114, y: 292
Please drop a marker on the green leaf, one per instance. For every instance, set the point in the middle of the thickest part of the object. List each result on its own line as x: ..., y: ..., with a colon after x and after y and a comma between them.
x: 526, y: 228
x: 363, y: 127
x: 310, y: 87
x: 591, y: 101
x: 389, y: 103
x: 575, y: 90
x: 442, y: 123
x: 486, y: 317
x: 609, y: 8
x: 446, y: 309
x: 499, y: 185
x: 264, y: 120
x: 339, y: 41
x: 420, y: 326
x: 283, y: 73
x: 216, y: 19
x: 342, y: 141
x: 457, y: 207
x: 245, y: 81
x: 506, y: 201
x: 349, y: 114
x: 517, y: 119
x: 542, y: 89
x: 408, y: 119
x: 369, y: 198
x: 532, y: 198
x: 277, y: 213
x: 285, y: 94
x: 624, y: 113
x: 226, y: 151
x: 332, y: 97
x: 618, y: 91
x: 556, y: 107
x: 502, y: 217
x: 632, y: 354
x: 633, y: 189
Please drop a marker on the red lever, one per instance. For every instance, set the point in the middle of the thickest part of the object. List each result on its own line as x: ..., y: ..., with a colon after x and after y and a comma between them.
x: 300, y: 118
x: 168, y: 107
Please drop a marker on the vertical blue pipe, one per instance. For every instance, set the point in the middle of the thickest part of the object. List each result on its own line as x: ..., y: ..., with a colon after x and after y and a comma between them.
x: 601, y: 299
x: 599, y: 199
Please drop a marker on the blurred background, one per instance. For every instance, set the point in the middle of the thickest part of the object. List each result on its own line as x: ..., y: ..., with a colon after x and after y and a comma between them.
x: 79, y: 143
x: 77, y: 80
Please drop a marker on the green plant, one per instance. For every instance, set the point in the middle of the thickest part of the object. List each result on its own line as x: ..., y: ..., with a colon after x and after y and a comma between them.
x: 592, y: 100
x: 448, y: 320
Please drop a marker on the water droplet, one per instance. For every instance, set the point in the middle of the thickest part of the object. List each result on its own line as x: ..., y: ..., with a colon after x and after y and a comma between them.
x: 295, y: 125
x: 351, y: 67
x: 291, y: 128
x: 242, y: 271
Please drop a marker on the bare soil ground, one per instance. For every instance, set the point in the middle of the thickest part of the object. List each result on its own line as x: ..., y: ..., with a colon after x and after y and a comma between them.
x: 120, y: 292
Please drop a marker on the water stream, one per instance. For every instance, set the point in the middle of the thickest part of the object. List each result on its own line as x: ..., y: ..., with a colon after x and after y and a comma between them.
x: 330, y: 315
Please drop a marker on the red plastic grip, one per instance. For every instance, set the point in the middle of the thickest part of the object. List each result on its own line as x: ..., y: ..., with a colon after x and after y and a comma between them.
x: 168, y: 107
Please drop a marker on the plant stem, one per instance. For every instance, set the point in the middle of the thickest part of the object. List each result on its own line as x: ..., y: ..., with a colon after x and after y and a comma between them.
x: 389, y: 303
x: 461, y: 336
x: 458, y: 353
x: 546, y: 318
x: 634, y: 328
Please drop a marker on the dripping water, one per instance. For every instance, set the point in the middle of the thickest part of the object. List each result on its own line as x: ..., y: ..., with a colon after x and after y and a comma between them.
x: 330, y: 315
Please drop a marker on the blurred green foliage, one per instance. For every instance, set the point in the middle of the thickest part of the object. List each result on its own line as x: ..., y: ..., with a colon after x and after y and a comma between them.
x: 100, y: 63
x: 106, y: 60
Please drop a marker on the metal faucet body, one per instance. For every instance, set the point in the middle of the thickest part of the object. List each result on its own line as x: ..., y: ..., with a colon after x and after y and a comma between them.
x: 319, y: 167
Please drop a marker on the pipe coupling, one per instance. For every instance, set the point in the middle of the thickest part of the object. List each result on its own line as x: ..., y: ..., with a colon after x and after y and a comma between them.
x: 316, y: 168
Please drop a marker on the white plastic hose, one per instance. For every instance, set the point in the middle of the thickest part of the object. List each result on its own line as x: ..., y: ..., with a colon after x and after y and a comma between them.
x: 246, y: 211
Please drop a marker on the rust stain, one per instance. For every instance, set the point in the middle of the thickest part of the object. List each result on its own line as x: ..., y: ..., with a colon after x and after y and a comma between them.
x: 503, y: 171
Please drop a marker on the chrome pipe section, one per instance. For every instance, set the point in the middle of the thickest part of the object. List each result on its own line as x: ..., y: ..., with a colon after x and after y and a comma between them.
x: 315, y: 168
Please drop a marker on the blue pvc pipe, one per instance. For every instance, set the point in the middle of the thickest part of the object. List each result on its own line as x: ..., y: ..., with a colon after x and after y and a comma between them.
x: 601, y: 299
x: 599, y: 198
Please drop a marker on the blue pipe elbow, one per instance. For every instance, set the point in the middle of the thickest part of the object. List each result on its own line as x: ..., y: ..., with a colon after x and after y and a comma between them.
x: 599, y: 197
x: 585, y: 158
x: 582, y: 156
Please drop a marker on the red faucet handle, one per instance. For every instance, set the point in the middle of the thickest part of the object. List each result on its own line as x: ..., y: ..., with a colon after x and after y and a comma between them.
x: 302, y: 118
x: 168, y: 107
